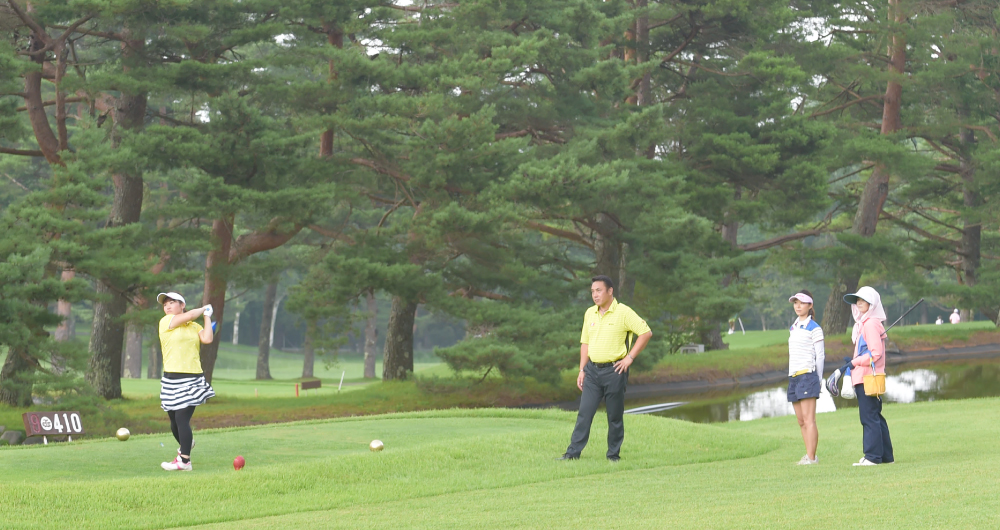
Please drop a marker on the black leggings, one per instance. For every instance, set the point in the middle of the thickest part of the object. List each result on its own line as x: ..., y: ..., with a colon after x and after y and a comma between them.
x: 180, y: 425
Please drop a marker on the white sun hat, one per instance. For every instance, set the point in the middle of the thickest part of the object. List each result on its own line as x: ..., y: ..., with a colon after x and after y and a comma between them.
x: 160, y: 298
x: 865, y: 293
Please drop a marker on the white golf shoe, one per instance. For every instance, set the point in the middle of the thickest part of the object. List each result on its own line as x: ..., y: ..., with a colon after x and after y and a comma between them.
x: 176, y: 465
x: 864, y: 462
x: 805, y: 461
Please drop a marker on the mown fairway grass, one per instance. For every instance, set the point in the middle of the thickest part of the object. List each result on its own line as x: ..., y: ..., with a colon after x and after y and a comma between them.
x: 495, y: 469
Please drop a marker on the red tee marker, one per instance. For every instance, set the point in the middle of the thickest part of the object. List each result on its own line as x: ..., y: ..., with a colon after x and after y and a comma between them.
x: 238, y: 463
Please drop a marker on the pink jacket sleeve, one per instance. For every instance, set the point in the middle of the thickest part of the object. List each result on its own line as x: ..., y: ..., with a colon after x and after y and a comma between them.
x: 872, y: 332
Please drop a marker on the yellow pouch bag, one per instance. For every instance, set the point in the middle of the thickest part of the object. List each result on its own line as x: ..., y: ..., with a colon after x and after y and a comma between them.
x: 874, y: 383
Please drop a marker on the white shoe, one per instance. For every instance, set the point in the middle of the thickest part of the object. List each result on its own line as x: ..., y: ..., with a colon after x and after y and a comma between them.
x: 805, y: 461
x: 176, y: 465
x: 864, y: 462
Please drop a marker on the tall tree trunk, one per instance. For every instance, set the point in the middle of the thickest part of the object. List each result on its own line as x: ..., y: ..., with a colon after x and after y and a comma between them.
x: 397, y: 363
x: 47, y: 141
x: 236, y: 329
x: 15, y: 379
x: 106, y: 339
x: 639, y: 33
x: 334, y: 36
x: 837, y: 315
x: 608, y: 250
x: 626, y: 282
x: 637, y: 46
x: 712, y: 336
x: 642, y: 94
x: 972, y: 224
x: 371, y: 334
x: 155, y: 368
x: 62, y: 54
x: 67, y: 328
x: 630, y: 53
x: 132, y: 362
x: 309, y: 355
x: 264, y: 339
x: 64, y: 309
x: 108, y: 333
x: 274, y: 318
x: 216, y: 281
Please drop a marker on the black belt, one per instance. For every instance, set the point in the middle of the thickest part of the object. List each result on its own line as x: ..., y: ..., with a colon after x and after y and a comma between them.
x: 605, y: 365
x: 178, y: 375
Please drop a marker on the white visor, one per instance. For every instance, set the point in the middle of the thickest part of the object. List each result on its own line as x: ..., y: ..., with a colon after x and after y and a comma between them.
x: 162, y: 297
x: 802, y: 297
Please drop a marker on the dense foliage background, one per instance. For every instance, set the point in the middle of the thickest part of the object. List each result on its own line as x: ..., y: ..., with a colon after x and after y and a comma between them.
x: 342, y: 174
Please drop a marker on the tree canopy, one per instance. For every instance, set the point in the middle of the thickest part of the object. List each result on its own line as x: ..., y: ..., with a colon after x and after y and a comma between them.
x: 483, y: 160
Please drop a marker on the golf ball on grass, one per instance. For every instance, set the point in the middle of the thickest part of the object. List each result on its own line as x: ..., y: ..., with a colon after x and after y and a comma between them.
x: 238, y: 463
x: 376, y: 445
x: 123, y: 434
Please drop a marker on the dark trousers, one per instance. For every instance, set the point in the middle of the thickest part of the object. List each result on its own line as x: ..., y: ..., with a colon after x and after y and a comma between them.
x: 600, y: 383
x: 180, y: 425
x: 877, y: 445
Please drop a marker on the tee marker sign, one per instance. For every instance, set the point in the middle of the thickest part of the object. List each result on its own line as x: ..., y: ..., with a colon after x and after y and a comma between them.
x: 47, y: 424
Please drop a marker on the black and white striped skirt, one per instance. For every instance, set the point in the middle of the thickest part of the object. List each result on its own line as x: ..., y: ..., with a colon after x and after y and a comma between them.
x: 177, y: 394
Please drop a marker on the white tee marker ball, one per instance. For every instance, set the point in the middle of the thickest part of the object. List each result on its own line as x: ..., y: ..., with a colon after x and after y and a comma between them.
x: 123, y: 434
x: 376, y: 445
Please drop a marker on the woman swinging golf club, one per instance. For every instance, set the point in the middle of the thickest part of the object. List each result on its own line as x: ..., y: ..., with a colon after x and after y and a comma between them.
x: 869, y: 359
x: 183, y: 386
x: 806, y: 355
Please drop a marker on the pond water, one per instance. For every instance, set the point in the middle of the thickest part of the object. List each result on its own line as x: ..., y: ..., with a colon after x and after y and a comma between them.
x: 904, y: 384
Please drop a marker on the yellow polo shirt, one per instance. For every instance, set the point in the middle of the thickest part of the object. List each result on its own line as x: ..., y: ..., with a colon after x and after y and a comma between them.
x: 181, y: 347
x: 605, y: 335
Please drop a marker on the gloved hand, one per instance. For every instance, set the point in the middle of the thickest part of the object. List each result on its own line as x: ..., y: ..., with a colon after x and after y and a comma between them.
x: 831, y: 383
x: 209, y: 310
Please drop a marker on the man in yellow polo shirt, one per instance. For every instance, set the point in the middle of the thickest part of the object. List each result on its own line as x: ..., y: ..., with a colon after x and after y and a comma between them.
x: 605, y: 356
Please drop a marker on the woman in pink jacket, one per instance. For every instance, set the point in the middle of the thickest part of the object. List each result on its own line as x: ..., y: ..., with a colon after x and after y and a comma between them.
x: 869, y: 349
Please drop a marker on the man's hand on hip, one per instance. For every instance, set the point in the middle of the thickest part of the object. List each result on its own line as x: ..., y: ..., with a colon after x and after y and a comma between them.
x: 623, y: 364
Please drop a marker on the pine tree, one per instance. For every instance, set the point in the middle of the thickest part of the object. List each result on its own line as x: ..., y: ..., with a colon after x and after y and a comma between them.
x: 38, y: 235
x: 943, y: 210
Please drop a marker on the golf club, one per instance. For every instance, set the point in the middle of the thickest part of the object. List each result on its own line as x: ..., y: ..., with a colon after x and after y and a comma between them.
x: 914, y: 306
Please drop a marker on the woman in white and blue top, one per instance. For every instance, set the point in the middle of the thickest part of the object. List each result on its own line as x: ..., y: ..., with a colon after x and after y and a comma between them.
x: 806, y: 355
